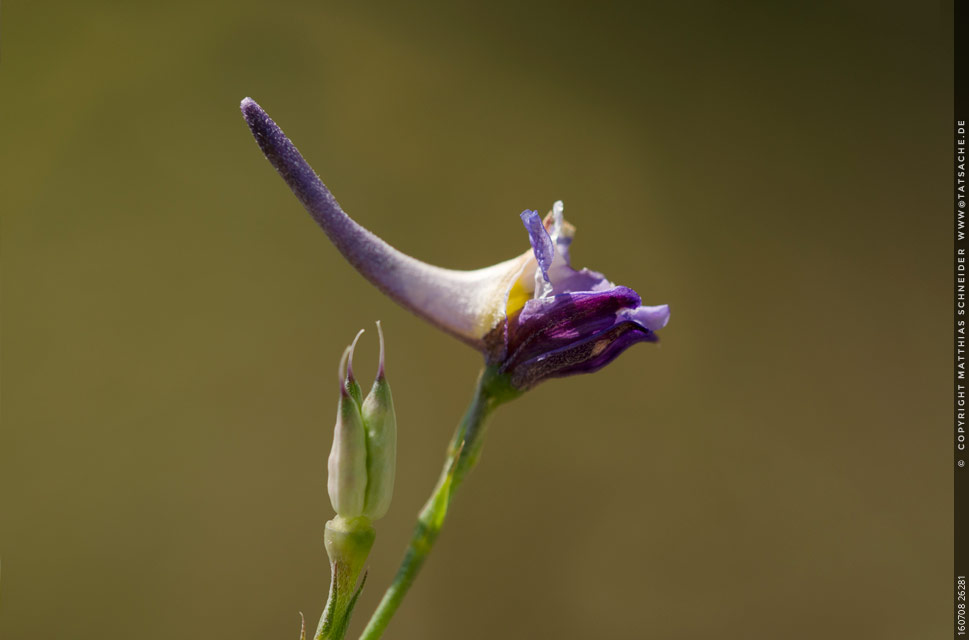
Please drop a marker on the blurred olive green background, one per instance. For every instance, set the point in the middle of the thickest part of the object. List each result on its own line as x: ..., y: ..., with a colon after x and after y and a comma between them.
x: 779, y: 466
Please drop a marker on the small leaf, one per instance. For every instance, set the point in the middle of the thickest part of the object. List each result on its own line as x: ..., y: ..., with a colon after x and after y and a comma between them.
x: 353, y: 603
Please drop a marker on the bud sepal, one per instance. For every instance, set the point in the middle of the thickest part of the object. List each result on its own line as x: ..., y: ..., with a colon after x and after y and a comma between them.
x: 380, y: 423
x: 347, y: 464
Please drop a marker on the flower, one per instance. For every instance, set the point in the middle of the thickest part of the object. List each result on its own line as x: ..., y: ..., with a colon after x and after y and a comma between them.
x: 533, y: 317
x: 561, y: 321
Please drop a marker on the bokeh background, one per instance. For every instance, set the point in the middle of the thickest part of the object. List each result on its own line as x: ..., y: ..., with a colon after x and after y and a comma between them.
x: 779, y: 466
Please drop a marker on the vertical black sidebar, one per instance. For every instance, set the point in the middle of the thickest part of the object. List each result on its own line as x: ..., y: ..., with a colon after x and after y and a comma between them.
x: 961, y: 307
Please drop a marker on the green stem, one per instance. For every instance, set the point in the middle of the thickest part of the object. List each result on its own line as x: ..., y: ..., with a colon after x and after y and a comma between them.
x: 492, y: 390
x: 348, y: 542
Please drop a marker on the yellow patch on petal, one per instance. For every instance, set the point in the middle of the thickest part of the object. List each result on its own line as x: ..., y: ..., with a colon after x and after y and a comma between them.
x: 492, y: 303
x: 517, y: 297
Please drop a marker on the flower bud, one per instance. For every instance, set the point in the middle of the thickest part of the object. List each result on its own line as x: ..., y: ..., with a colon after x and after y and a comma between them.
x: 364, y: 454
x: 347, y: 465
x: 380, y: 423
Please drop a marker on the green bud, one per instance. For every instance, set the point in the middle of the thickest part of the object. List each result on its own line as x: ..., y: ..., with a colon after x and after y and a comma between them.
x: 380, y: 423
x: 347, y: 465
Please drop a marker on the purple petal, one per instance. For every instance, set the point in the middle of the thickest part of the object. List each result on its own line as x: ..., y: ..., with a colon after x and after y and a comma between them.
x: 653, y: 318
x: 546, y: 324
x: 566, y: 279
x: 582, y: 356
x: 572, y: 311
x: 542, y: 245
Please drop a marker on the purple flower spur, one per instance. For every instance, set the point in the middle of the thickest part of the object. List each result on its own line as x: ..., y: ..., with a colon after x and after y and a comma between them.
x: 533, y: 317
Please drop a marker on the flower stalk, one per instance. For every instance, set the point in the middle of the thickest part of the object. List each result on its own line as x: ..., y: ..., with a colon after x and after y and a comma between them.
x: 493, y: 389
x: 348, y: 542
